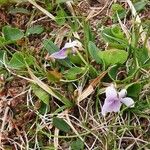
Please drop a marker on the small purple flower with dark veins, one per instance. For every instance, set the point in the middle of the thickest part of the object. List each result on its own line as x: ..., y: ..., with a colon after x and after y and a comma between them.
x: 115, y: 99
x: 63, y: 53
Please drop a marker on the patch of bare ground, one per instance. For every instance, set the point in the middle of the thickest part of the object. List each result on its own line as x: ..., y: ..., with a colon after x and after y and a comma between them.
x: 13, y: 109
x: 97, y: 13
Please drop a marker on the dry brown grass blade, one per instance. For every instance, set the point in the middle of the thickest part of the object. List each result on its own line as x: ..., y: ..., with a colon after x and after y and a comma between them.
x: 69, y: 5
x: 124, y: 28
x: 138, y: 20
x: 94, y: 13
x: 60, y: 36
x: 41, y: 9
x: 42, y: 85
x: 90, y: 89
x: 76, y: 35
x: 3, y: 123
x: 73, y: 128
x: 56, y: 133
x: 71, y: 9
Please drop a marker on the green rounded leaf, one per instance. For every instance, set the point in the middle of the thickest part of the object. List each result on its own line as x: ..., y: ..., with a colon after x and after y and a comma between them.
x: 93, y: 50
x: 113, y: 72
x: 61, y: 17
x: 19, y: 10
x: 113, y: 56
x: 12, y: 34
x: 20, y: 59
x: 73, y: 72
x: 50, y: 46
x: 37, y: 29
x: 61, y: 124
x: 77, y: 145
x: 41, y: 94
x: 134, y: 89
x: 116, y: 7
x: 115, y: 37
x: 75, y: 59
x: 140, y: 5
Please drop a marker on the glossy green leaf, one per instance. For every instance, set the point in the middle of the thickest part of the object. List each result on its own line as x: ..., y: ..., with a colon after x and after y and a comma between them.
x: 140, y: 5
x: 134, y: 89
x: 72, y: 73
x: 115, y: 37
x: 113, y: 72
x: 61, y: 124
x: 20, y: 59
x: 12, y: 34
x: 44, y: 108
x: 41, y: 94
x: 61, y: 17
x: 19, y: 10
x: 64, y: 100
x: 116, y: 31
x: 77, y: 145
x: 88, y: 35
x: 2, y: 41
x: 93, y: 51
x: 142, y: 108
x: 142, y: 56
x: 93, y: 72
x: 75, y: 59
x: 36, y: 29
x: 113, y: 56
x: 118, y: 9
x: 50, y: 46
x: 49, y: 5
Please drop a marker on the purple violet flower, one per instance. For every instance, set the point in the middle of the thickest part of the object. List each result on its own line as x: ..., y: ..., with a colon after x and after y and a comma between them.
x: 115, y: 99
x: 63, y: 53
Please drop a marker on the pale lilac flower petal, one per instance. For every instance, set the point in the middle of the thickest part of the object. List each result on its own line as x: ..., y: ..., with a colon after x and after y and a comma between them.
x: 115, y: 99
x: 122, y: 93
x: 70, y: 45
x: 113, y: 106
x: 62, y: 54
x: 111, y: 92
x: 105, y: 108
x: 127, y: 101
